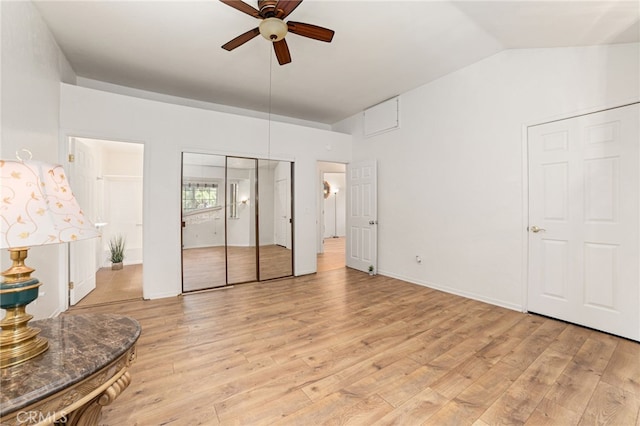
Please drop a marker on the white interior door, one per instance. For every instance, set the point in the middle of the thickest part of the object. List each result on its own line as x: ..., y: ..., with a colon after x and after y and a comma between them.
x: 362, y: 216
x: 584, y: 220
x: 82, y: 254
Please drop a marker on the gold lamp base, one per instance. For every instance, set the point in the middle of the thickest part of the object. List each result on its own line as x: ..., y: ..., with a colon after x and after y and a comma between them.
x: 18, y: 341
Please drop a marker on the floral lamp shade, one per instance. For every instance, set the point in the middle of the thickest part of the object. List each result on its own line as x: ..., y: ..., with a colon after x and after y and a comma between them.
x: 37, y: 206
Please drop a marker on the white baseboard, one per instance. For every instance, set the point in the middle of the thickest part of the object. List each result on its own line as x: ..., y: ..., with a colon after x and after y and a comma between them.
x: 457, y: 292
x: 161, y: 296
x: 196, y: 246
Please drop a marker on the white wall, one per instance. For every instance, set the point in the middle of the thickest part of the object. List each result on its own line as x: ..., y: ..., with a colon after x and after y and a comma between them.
x: 161, y: 97
x: 122, y: 159
x: 32, y: 68
x: 167, y: 130
x: 450, y: 180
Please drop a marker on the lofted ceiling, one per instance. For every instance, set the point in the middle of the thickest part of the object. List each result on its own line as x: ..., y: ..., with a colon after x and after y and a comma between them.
x: 380, y: 48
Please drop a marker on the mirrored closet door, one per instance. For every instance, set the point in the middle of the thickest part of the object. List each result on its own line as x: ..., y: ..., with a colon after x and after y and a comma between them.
x: 274, y: 217
x: 203, y: 221
x: 237, y: 223
x: 242, y: 253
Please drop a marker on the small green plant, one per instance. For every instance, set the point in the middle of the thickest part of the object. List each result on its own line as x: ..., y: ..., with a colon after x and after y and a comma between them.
x: 370, y: 269
x: 116, y: 248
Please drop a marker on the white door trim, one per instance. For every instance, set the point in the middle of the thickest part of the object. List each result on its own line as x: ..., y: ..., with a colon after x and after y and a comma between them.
x: 65, y: 138
x: 525, y: 184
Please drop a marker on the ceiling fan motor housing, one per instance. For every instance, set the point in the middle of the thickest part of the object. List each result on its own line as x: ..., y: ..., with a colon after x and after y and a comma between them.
x: 267, y: 8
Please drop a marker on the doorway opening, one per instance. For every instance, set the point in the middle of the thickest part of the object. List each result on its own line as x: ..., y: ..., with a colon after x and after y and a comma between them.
x: 237, y: 223
x: 107, y: 177
x: 332, y: 224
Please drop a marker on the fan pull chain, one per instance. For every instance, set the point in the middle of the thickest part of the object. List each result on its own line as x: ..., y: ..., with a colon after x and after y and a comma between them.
x: 269, y: 118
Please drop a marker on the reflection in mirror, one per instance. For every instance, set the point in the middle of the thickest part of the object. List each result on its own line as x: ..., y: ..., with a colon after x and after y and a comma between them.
x: 203, y: 254
x: 236, y: 220
x: 241, y: 228
x: 274, y: 218
x: 233, y: 200
x: 326, y: 189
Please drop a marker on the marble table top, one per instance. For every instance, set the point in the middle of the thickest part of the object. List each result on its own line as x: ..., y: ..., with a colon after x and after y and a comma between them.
x: 79, y: 345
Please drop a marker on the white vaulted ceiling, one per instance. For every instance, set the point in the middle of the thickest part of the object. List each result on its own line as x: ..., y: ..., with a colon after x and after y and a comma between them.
x: 380, y: 48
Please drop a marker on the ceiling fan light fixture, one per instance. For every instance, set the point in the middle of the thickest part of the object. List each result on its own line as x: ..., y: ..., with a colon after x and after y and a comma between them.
x: 273, y: 29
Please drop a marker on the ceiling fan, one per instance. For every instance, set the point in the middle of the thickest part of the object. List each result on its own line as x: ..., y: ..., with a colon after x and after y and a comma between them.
x: 272, y: 26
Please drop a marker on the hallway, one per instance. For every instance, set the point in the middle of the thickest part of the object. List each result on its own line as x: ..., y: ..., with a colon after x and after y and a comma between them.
x: 333, y: 256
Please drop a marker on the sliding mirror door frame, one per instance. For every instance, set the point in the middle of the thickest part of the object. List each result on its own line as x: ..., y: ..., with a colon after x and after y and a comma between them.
x: 202, y: 222
x: 247, y: 236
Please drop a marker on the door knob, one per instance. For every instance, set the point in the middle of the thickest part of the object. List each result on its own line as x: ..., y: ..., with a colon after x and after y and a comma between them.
x: 536, y: 229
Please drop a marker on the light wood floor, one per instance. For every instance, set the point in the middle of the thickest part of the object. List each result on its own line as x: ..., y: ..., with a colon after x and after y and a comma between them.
x: 115, y: 286
x: 205, y: 267
x: 333, y: 256
x: 341, y: 347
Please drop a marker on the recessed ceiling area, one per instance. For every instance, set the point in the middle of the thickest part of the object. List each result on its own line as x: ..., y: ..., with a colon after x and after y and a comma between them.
x: 380, y: 48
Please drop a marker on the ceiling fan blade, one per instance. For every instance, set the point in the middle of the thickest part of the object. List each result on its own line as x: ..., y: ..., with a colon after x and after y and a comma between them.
x: 241, y: 39
x: 243, y: 7
x: 312, y: 31
x: 282, y: 52
x: 285, y: 7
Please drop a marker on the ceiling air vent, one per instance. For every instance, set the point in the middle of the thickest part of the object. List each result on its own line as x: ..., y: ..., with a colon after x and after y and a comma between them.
x: 382, y: 117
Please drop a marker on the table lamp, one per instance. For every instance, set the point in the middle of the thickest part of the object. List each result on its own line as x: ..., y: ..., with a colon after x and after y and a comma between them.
x: 37, y: 207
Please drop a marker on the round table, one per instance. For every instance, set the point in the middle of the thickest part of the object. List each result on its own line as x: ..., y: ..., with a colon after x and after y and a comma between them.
x: 85, y: 368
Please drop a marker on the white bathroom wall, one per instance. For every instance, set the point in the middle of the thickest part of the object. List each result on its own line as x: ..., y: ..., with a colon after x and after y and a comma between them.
x: 122, y: 183
x: 122, y: 159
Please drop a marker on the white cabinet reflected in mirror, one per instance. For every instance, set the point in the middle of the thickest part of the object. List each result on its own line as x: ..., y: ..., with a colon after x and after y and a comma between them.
x: 233, y: 200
